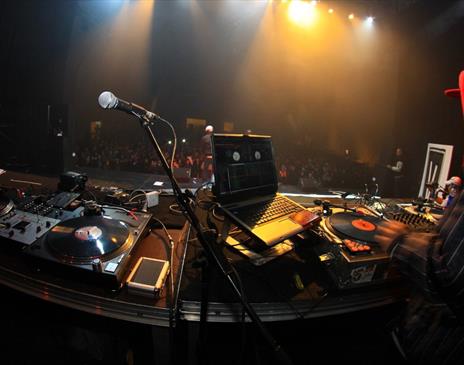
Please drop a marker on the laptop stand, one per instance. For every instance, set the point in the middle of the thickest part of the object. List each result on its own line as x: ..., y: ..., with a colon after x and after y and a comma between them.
x: 246, y: 245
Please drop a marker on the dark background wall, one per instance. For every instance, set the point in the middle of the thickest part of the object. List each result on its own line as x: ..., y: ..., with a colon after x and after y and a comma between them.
x: 431, y: 60
x: 34, y: 50
x: 332, y: 86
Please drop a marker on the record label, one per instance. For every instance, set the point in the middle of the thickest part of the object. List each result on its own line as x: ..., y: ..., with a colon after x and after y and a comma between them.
x: 363, y: 225
x: 88, y: 233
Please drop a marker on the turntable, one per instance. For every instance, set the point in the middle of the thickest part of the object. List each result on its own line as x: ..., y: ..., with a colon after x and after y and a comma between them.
x: 6, y: 205
x: 348, y: 250
x: 359, y: 227
x: 93, y: 247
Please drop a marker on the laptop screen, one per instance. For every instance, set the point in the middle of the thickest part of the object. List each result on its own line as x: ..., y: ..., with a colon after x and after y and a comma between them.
x: 243, y: 165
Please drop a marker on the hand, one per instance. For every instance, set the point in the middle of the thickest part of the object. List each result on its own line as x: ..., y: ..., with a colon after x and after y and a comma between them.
x: 389, y: 232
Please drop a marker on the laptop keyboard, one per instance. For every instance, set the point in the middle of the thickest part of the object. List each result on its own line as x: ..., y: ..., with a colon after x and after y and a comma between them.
x: 266, y: 211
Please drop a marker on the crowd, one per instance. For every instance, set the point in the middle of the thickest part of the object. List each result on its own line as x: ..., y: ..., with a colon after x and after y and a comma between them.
x: 325, y: 171
x: 294, y: 167
x: 111, y: 155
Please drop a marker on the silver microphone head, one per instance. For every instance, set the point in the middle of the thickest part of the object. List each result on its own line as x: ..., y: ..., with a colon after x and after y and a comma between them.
x: 107, y: 100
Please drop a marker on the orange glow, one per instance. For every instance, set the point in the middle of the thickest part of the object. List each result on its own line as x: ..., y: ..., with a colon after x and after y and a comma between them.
x: 302, y: 13
x: 314, y: 79
x: 331, y: 11
x: 351, y: 16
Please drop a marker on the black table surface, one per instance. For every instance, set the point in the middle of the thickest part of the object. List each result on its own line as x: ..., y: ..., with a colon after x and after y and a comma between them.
x: 293, y: 285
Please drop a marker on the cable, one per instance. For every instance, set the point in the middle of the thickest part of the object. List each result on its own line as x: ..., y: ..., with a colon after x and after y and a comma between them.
x: 213, y: 210
x: 173, y: 209
x: 138, y: 195
x: 171, y: 277
x: 117, y: 208
x: 91, y: 194
x: 136, y: 190
x: 171, y: 243
x: 129, y: 212
x: 202, y: 187
x: 175, y: 142
x: 144, y: 207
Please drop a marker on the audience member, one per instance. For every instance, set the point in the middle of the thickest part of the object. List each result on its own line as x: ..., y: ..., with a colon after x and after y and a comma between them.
x: 395, y: 176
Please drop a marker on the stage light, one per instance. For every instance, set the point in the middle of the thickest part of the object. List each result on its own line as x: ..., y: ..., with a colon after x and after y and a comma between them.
x: 184, y: 140
x: 369, y: 21
x: 169, y: 142
x: 351, y: 16
x: 301, y: 12
x: 331, y: 11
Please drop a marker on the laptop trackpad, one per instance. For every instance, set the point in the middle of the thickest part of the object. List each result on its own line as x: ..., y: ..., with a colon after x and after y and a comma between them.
x: 277, y: 231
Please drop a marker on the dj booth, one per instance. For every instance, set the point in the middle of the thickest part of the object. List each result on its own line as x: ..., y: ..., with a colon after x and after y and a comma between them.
x: 317, y: 278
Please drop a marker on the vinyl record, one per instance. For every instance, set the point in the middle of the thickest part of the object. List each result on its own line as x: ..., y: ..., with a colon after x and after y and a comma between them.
x: 355, y: 226
x: 86, y: 238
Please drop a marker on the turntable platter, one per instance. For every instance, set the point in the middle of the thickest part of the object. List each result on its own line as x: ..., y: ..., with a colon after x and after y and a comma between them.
x: 88, y: 237
x: 6, y: 205
x: 355, y: 226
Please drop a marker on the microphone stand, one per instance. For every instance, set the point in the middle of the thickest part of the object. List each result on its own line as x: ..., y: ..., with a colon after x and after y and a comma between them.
x: 208, y: 241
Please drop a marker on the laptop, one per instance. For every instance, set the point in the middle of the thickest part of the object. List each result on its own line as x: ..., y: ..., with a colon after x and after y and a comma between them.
x: 245, y: 186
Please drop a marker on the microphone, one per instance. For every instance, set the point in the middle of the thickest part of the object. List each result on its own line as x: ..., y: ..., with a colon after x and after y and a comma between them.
x: 108, y: 100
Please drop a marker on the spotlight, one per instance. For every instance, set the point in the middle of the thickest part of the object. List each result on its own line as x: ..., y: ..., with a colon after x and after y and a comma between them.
x: 369, y: 20
x: 331, y: 11
x: 351, y: 16
x: 184, y: 140
x: 302, y: 13
x: 169, y: 142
